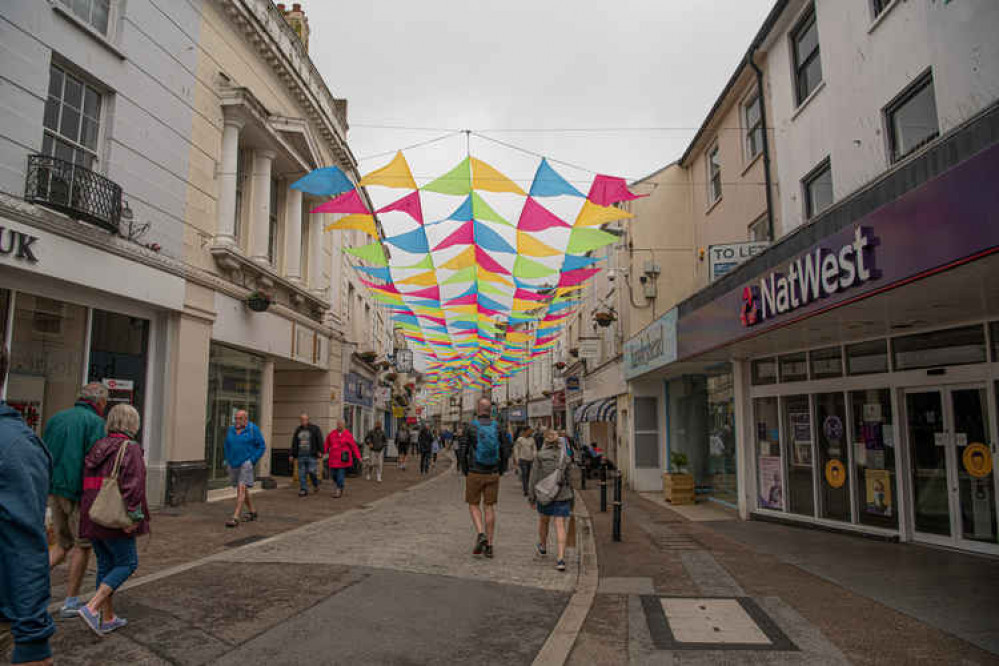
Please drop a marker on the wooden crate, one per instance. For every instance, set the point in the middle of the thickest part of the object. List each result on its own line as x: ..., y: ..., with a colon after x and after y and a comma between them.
x: 678, y: 488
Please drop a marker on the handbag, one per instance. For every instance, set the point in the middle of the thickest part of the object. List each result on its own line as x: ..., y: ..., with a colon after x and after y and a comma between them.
x: 345, y: 456
x: 547, y: 489
x: 108, y: 509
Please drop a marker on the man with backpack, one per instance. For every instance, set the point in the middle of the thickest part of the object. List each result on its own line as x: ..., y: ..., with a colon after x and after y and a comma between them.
x: 375, y: 442
x: 482, y: 456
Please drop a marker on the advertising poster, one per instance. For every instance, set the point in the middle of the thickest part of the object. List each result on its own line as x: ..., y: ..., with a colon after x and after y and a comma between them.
x: 771, y: 483
x: 878, y: 492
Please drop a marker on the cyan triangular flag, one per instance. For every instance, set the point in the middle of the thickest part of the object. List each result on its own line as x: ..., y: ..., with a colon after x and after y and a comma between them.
x: 326, y: 182
x: 548, y: 183
x: 488, y: 239
x: 414, y: 241
x: 462, y: 213
x: 574, y: 261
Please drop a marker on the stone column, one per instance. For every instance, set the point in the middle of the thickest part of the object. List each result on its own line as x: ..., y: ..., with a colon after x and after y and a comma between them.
x: 293, y: 235
x: 266, y: 424
x: 226, y: 231
x: 316, y: 224
x: 260, y: 211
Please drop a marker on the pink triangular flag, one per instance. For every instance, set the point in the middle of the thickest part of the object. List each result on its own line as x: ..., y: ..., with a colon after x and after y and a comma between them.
x: 467, y: 299
x: 489, y: 263
x: 535, y: 217
x: 464, y: 235
x: 528, y: 295
x: 578, y: 276
x: 409, y: 204
x: 348, y: 202
x: 608, y: 190
x: 433, y: 293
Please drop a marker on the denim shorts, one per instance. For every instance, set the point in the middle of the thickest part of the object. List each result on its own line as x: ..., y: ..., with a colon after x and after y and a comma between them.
x: 242, y: 475
x: 557, y: 509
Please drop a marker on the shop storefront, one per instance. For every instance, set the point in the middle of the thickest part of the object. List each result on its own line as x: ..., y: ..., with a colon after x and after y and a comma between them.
x: 864, y: 361
x: 235, y: 382
x: 358, y: 402
x: 539, y: 413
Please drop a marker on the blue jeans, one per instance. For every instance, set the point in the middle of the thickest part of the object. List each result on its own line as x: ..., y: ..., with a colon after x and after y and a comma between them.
x: 339, y: 474
x: 117, y: 559
x: 307, y: 469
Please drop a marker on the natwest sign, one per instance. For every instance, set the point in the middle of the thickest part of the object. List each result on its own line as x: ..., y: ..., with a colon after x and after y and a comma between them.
x: 810, y: 277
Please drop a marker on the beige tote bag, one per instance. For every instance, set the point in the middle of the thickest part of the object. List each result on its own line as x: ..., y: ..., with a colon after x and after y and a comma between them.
x: 108, y: 509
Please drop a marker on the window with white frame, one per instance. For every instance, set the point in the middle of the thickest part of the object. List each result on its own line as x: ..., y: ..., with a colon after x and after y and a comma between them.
x: 912, y: 118
x: 759, y: 230
x: 807, y: 63
x: 752, y: 117
x: 818, y: 189
x: 72, y: 118
x: 95, y: 13
x: 714, y: 175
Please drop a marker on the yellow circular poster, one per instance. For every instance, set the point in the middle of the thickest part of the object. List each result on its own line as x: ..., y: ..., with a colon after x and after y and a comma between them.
x: 977, y: 460
x: 835, y: 473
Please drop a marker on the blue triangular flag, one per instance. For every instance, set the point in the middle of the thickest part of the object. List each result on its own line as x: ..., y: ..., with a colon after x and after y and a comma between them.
x: 548, y: 183
x: 488, y: 239
x: 326, y: 182
x: 414, y: 241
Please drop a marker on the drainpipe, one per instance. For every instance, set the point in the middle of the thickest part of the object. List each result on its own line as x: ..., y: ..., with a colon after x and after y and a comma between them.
x: 751, y: 59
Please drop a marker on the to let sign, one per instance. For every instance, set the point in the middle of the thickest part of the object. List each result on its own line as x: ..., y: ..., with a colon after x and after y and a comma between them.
x: 723, y: 258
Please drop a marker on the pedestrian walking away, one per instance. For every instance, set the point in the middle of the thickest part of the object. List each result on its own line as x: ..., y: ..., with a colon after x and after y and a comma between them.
x: 483, y: 457
x: 402, y: 442
x: 557, y: 501
x: 25, y: 471
x: 375, y: 444
x: 307, y: 449
x: 117, y: 455
x: 69, y: 434
x: 244, y: 446
x: 539, y: 439
x: 435, y: 448
x: 425, y: 441
x: 341, y: 452
x: 524, y: 453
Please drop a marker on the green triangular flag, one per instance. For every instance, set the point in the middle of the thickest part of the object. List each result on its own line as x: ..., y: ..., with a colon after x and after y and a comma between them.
x: 525, y: 268
x: 487, y: 288
x: 464, y: 275
x: 372, y: 252
x: 456, y: 181
x: 427, y: 263
x: 583, y: 239
x: 483, y: 211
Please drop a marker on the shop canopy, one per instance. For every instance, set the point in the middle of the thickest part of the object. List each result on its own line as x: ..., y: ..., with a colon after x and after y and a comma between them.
x: 479, y: 271
x: 604, y: 409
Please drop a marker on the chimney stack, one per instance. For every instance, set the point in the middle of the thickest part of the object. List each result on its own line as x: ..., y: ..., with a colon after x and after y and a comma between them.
x: 298, y: 21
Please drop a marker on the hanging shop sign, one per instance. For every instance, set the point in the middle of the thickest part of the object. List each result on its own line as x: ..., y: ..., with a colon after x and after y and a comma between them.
x: 358, y: 390
x: 808, y: 278
x: 723, y: 258
x: 653, y: 348
x: 539, y: 408
x: 518, y: 414
x: 558, y: 400
x: 398, y: 411
x: 572, y: 383
x: 589, y: 348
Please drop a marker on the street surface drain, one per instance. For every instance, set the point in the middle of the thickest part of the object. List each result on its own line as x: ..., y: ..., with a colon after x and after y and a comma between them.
x: 244, y: 541
x: 710, y: 623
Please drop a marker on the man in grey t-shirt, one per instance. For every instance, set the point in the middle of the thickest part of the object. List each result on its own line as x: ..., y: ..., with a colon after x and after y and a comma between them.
x: 307, y: 448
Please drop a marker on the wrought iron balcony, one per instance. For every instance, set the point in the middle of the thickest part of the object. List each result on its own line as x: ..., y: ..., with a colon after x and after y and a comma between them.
x: 75, y: 190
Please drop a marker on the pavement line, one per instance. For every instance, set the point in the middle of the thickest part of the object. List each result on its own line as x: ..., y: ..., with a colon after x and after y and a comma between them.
x: 555, y: 651
x: 223, y: 555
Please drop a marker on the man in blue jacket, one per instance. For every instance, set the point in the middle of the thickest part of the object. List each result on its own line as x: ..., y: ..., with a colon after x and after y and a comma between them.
x: 244, y: 446
x: 25, y: 470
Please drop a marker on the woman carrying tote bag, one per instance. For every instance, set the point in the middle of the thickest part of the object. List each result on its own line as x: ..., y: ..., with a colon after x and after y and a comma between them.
x: 551, y: 491
x: 117, y: 556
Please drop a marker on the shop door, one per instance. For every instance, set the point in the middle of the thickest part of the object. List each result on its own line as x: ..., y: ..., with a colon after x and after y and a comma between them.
x: 952, y: 454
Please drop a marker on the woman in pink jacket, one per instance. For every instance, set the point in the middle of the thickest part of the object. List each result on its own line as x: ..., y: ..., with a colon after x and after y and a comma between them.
x: 341, y: 452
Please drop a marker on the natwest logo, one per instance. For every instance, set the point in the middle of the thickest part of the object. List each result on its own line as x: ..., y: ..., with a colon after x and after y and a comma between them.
x: 816, y: 275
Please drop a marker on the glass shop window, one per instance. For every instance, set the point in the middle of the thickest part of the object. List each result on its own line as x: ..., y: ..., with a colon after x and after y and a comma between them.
x: 954, y: 346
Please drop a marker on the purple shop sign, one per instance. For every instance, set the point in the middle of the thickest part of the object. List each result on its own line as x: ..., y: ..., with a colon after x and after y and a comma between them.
x: 952, y: 219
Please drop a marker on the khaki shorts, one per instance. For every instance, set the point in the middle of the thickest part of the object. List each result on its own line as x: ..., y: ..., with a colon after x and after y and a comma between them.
x: 481, y: 487
x: 66, y: 522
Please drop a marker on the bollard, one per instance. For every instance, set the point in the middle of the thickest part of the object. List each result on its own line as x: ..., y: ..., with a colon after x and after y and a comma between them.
x: 603, y: 489
x: 582, y: 476
x: 617, y: 506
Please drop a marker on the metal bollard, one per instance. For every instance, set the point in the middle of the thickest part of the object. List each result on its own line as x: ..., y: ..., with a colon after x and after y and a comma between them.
x: 603, y: 489
x: 582, y: 476
x: 618, y: 505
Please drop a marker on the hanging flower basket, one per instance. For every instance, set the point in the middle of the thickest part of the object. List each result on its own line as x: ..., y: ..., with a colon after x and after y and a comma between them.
x: 367, y: 356
x: 258, y: 301
x: 560, y: 365
x: 574, y: 352
x: 604, y: 319
x: 391, y: 376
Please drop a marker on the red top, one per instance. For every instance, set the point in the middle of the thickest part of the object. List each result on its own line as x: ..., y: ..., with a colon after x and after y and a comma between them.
x: 338, y: 443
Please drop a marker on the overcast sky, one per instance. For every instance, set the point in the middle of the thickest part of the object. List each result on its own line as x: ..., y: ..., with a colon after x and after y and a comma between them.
x: 530, y: 64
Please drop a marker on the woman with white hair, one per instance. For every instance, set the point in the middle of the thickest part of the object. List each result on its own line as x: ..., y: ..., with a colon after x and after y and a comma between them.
x: 117, y: 556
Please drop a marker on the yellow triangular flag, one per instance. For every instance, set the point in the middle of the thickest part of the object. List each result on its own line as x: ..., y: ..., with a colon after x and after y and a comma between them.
x: 590, y: 215
x: 365, y: 223
x: 489, y: 276
x: 427, y: 279
x: 484, y: 177
x: 530, y: 246
x: 562, y: 291
x: 394, y: 174
x: 461, y: 260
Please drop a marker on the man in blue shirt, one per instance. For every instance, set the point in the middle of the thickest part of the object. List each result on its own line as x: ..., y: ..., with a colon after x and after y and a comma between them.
x: 25, y: 470
x: 244, y: 446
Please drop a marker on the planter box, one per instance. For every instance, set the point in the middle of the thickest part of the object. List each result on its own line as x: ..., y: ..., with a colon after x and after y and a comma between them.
x: 678, y: 488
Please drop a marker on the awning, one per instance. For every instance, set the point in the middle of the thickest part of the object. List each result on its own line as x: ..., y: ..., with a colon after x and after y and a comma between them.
x: 596, y: 410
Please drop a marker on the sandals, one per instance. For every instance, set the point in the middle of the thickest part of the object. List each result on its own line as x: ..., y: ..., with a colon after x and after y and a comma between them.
x: 232, y: 522
x: 249, y: 517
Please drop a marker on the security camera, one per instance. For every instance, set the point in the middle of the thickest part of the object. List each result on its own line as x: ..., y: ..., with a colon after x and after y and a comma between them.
x: 612, y: 275
x: 643, y: 279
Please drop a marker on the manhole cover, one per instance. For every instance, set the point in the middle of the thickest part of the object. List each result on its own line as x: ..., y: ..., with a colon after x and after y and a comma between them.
x: 244, y: 541
x: 684, y: 623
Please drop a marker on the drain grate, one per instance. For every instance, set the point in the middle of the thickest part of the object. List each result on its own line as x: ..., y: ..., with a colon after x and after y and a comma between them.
x: 244, y: 541
x: 734, y: 623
